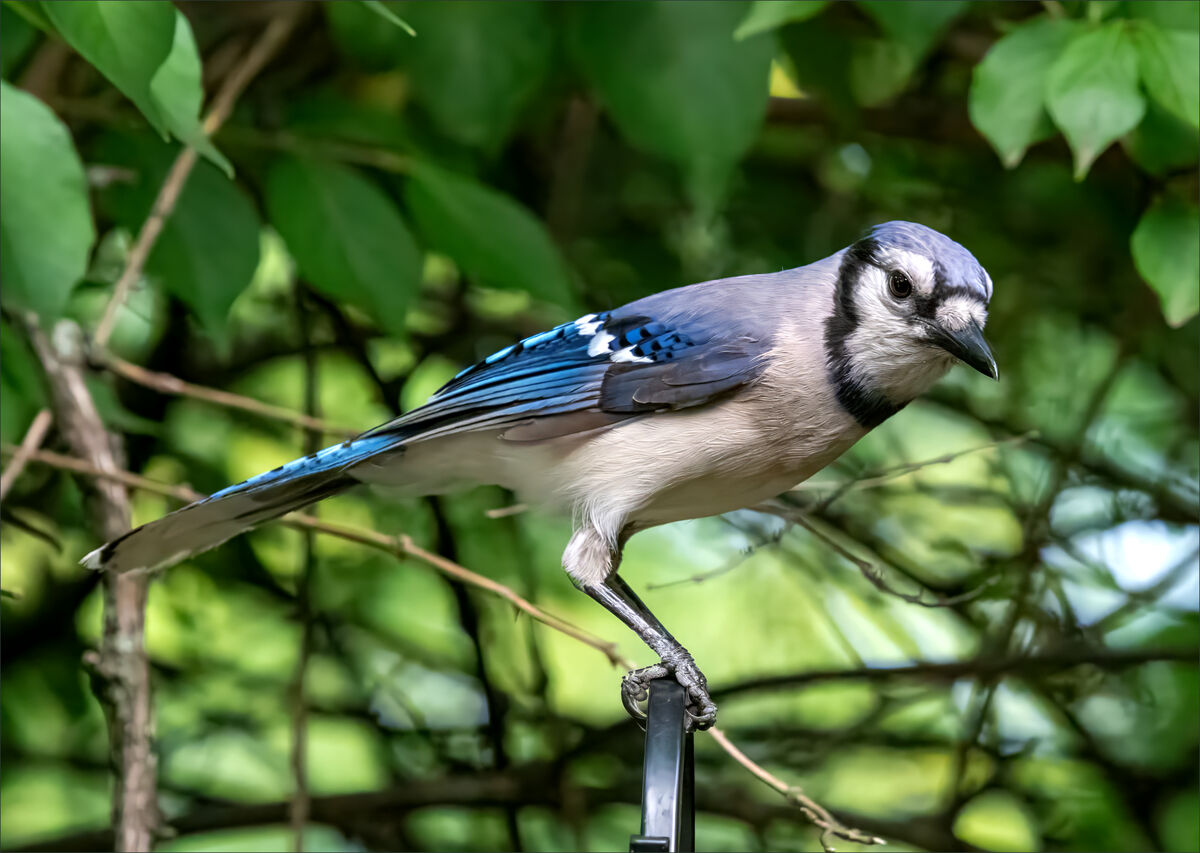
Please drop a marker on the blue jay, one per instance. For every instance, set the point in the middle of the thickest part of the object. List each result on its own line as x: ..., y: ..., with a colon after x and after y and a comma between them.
x: 688, y: 403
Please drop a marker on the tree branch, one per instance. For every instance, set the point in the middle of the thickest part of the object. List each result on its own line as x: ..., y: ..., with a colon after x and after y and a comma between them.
x: 401, y: 546
x: 120, y: 671
x: 981, y: 668
x: 168, y: 384
x: 525, y: 785
x: 829, y: 825
x: 33, y: 439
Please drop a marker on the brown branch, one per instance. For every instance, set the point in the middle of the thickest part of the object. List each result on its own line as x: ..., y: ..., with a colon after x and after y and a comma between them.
x: 871, y: 572
x: 986, y: 668
x: 886, y: 475
x: 400, y: 546
x: 33, y: 439
x: 829, y: 825
x: 169, y: 384
x: 383, y: 159
x: 121, y: 671
x: 1174, y: 502
x: 272, y: 38
x: 783, y: 508
x: 525, y: 785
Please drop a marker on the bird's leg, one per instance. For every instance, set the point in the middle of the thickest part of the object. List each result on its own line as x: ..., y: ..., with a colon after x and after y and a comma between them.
x: 674, y: 659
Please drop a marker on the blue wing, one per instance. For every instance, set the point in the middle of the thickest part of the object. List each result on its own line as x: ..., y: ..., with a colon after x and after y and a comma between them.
x: 612, y: 365
x: 596, y: 371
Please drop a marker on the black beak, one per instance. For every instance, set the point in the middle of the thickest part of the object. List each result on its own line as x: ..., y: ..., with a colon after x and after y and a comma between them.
x: 968, y: 346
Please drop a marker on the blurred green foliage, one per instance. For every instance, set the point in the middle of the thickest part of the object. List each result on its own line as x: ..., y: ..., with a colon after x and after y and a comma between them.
x: 397, y: 206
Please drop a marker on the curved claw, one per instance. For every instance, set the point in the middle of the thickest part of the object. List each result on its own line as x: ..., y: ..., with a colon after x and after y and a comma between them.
x: 701, y: 710
x: 632, y: 695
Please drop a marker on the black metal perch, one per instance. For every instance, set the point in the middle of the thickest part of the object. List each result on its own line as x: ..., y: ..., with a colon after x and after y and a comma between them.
x: 668, y: 782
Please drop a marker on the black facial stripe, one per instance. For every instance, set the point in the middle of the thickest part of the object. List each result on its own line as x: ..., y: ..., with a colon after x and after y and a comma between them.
x: 865, y: 405
x: 925, y: 307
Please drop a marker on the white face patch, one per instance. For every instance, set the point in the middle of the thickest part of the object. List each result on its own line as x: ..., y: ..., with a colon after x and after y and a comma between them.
x: 957, y: 312
x: 918, y: 267
x: 885, y: 348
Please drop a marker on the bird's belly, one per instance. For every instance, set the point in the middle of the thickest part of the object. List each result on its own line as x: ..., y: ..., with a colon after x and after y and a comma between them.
x: 696, y: 463
x: 721, y: 491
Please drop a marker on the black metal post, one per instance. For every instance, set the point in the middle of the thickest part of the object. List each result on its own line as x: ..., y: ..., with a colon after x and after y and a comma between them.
x: 668, y: 781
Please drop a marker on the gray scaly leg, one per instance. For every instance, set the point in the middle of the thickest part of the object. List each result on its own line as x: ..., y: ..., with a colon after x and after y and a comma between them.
x: 622, y: 602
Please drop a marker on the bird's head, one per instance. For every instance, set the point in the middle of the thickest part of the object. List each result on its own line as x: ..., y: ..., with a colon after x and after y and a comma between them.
x: 909, y: 301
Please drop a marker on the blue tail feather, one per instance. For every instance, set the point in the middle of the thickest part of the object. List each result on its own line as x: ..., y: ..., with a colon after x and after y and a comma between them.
x: 334, y: 457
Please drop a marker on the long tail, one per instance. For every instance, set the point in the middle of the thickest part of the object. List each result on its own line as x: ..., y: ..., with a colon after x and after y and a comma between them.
x: 209, y: 522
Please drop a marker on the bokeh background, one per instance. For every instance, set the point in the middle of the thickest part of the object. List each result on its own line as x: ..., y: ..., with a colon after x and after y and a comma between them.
x: 976, y: 630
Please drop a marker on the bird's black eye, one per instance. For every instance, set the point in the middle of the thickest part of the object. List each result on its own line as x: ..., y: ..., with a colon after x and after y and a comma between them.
x: 899, y: 284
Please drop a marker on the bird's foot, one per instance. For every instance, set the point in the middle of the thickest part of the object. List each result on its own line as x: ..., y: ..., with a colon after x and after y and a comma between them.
x: 635, y: 689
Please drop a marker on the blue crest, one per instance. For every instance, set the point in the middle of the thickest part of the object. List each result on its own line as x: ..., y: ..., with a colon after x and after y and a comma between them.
x: 955, y: 265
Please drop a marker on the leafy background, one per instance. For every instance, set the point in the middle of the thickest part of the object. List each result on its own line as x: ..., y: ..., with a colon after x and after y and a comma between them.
x: 387, y: 207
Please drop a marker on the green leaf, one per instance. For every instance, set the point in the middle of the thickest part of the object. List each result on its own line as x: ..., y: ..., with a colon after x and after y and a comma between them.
x: 1007, y: 101
x: 208, y: 249
x: 767, y: 15
x: 127, y: 40
x: 1092, y: 91
x: 17, y: 35
x: 388, y: 15
x: 179, y: 94
x: 915, y: 24
x: 20, y: 384
x: 1166, y: 252
x: 476, y: 65
x: 362, y: 38
x: 346, y: 236
x: 45, y: 222
x: 490, y: 236
x: 1162, y: 142
x: 820, y: 56
x: 1170, y: 64
x: 1168, y: 14
x: 327, y: 114
x: 31, y: 12
x: 879, y: 70
x: 675, y: 82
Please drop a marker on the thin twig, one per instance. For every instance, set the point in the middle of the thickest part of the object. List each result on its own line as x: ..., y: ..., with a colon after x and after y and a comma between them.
x: 795, y: 517
x: 872, y: 573
x: 1138, y: 599
x: 829, y: 825
x: 724, y: 569
x: 886, y: 475
x: 169, y: 384
x: 273, y: 37
x: 33, y: 439
x: 506, y: 511
x: 374, y: 157
x: 983, y: 667
x: 868, y: 569
x: 401, y: 546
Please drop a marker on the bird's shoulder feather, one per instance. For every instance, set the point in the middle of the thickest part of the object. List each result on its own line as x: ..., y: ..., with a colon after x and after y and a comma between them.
x: 614, y: 364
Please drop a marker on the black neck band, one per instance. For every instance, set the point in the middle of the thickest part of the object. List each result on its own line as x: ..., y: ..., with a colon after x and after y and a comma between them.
x: 866, y: 405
